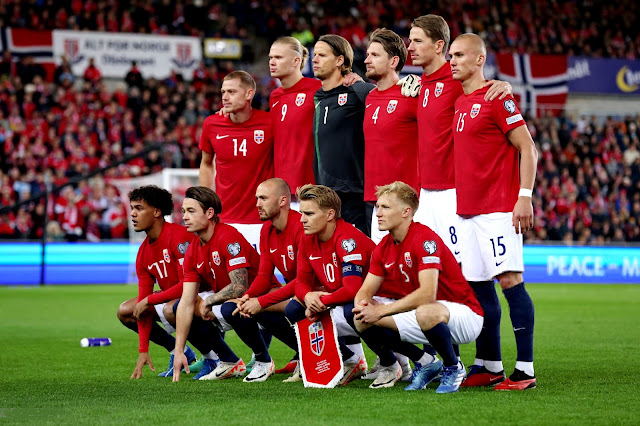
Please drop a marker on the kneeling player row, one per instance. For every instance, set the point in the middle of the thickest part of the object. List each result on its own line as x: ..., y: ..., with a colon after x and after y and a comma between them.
x: 407, y: 290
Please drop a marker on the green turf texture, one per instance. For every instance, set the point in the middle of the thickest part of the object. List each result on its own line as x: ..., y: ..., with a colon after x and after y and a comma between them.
x: 586, y: 346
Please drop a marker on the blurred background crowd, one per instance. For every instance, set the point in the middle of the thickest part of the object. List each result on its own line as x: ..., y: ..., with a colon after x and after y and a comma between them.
x: 52, y: 132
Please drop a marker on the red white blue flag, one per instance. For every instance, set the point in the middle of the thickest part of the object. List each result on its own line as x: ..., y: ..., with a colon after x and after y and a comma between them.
x: 540, y: 82
x: 23, y: 42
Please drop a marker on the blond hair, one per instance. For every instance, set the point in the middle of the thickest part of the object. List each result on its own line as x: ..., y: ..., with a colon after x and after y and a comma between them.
x: 295, y: 45
x: 245, y: 78
x: 325, y: 197
x: 403, y: 192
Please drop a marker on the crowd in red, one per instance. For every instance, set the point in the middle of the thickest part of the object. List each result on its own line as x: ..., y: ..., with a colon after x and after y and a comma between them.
x: 588, y: 182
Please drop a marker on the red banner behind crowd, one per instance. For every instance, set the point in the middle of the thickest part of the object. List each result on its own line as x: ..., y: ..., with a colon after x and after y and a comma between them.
x: 23, y: 42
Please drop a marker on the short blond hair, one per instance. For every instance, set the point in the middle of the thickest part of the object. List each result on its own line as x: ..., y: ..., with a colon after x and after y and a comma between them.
x: 325, y: 197
x: 245, y: 78
x: 295, y: 45
x: 403, y: 192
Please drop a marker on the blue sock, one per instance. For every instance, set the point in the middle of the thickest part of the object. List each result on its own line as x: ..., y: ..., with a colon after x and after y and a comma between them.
x: 344, y: 349
x: 522, y: 318
x: 294, y: 311
x: 409, y: 350
x: 277, y: 325
x: 488, y: 343
x: 439, y: 336
x: 429, y: 349
x: 248, y: 331
x: 266, y: 336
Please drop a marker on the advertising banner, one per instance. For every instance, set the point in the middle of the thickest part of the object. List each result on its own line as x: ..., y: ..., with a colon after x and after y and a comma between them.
x: 156, y: 55
x: 604, y: 76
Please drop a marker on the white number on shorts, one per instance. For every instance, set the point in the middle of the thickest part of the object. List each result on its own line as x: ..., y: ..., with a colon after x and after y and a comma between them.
x: 284, y: 262
x: 330, y: 272
x: 284, y: 111
x: 406, y: 276
x: 375, y: 115
x: 242, y: 149
x: 499, y: 244
x: 164, y: 266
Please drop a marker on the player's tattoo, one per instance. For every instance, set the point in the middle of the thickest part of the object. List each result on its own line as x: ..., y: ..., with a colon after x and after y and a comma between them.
x: 239, y: 284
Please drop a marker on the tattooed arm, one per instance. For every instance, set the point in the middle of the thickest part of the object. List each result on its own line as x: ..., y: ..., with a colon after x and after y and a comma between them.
x: 239, y: 284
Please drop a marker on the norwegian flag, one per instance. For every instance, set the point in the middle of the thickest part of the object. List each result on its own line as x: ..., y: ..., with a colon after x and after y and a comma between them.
x: 24, y: 42
x: 540, y: 82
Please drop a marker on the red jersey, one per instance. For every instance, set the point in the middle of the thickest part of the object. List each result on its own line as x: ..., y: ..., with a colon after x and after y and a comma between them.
x: 292, y: 116
x: 390, y: 132
x: 226, y: 251
x: 339, y: 264
x: 488, y: 165
x: 279, y: 250
x: 435, y: 111
x: 161, y: 261
x: 243, y: 160
x: 399, y: 265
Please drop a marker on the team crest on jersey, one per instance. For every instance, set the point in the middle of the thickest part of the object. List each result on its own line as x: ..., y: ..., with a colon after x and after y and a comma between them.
x: 391, y: 106
x: 165, y: 254
x: 290, y: 252
x: 182, y: 247
x: 233, y: 249
x: 316, y: 338
x: 475, y: 110
x: 216, y: 257
x: 510, y: 106
x: 439, y: 89
x: 407, y: 259
x: 342, y: 98
x: 430, y: 246
x: 258, y: 136
x: 349, y: 245
x: 300, y: 97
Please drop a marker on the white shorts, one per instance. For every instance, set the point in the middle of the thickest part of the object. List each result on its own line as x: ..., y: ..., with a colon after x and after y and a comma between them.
x: 168, y: 327
x: 438, y: 210
x: 465, y: 325
x: 251, y: 232
x: 376, y: 234
x: 490, y: 246
x: 343, y: 327
x: 219, y: 321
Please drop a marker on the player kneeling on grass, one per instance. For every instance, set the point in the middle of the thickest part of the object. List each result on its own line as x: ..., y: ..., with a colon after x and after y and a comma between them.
x: 332, y: 259
x: 220, y: 265
x: 414, y: 292
x: 159, y: 260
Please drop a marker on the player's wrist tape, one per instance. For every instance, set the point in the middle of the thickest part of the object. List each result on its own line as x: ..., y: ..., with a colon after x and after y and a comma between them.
x: 524, y: 192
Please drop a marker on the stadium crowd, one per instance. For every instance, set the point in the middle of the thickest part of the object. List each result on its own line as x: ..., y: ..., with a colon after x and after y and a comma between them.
x: 588, y: 181
x: 600, y: 29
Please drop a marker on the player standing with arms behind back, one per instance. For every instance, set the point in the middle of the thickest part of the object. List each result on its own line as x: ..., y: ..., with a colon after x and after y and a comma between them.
x: 494, y: 156
x: 242, y: 147
x: 292, y: 113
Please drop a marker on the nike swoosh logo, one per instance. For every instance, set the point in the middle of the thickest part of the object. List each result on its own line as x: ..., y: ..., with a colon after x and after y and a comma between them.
x: 456, y: 111
x: 518, y: 329
x: 221, y: 137
x: 200, y: 264
x: 256, y: 378
x: 494, y: 378
x: 315, y: 258
x: 389, y: 265
x: 273, y: 251
x: 317, y: 104
x: 368, y: 106
x: 499, y: 263
x: 275, y: 104
x: 456, y: 252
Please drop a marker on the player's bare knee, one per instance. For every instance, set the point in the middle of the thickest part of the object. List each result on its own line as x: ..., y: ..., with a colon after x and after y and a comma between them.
x: 125, y: 311
x: 167, y: 311
x: 360, y: 326
x: 430, y: 315
x: 509, y: 279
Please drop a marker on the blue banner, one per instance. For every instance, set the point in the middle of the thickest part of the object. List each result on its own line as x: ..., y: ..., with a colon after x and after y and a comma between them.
x: 100, y: 263
x: 604, y: 76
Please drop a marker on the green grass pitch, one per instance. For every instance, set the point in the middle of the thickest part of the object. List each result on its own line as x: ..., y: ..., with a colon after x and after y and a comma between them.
x: 587, y: 345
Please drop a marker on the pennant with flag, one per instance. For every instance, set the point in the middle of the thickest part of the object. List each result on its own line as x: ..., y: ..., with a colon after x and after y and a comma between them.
x: 320, y: 358
x: 540, y: 82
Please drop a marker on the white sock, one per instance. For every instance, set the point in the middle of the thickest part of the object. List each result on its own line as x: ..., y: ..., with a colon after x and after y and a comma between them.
x: 356, y: 348
x: 493, y: 366
x: 354, y: 358
x: 402, y: 360
x: 426, y: 359
x: 479, y: 362
x: 527, y: 367
x: 211, y: 355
